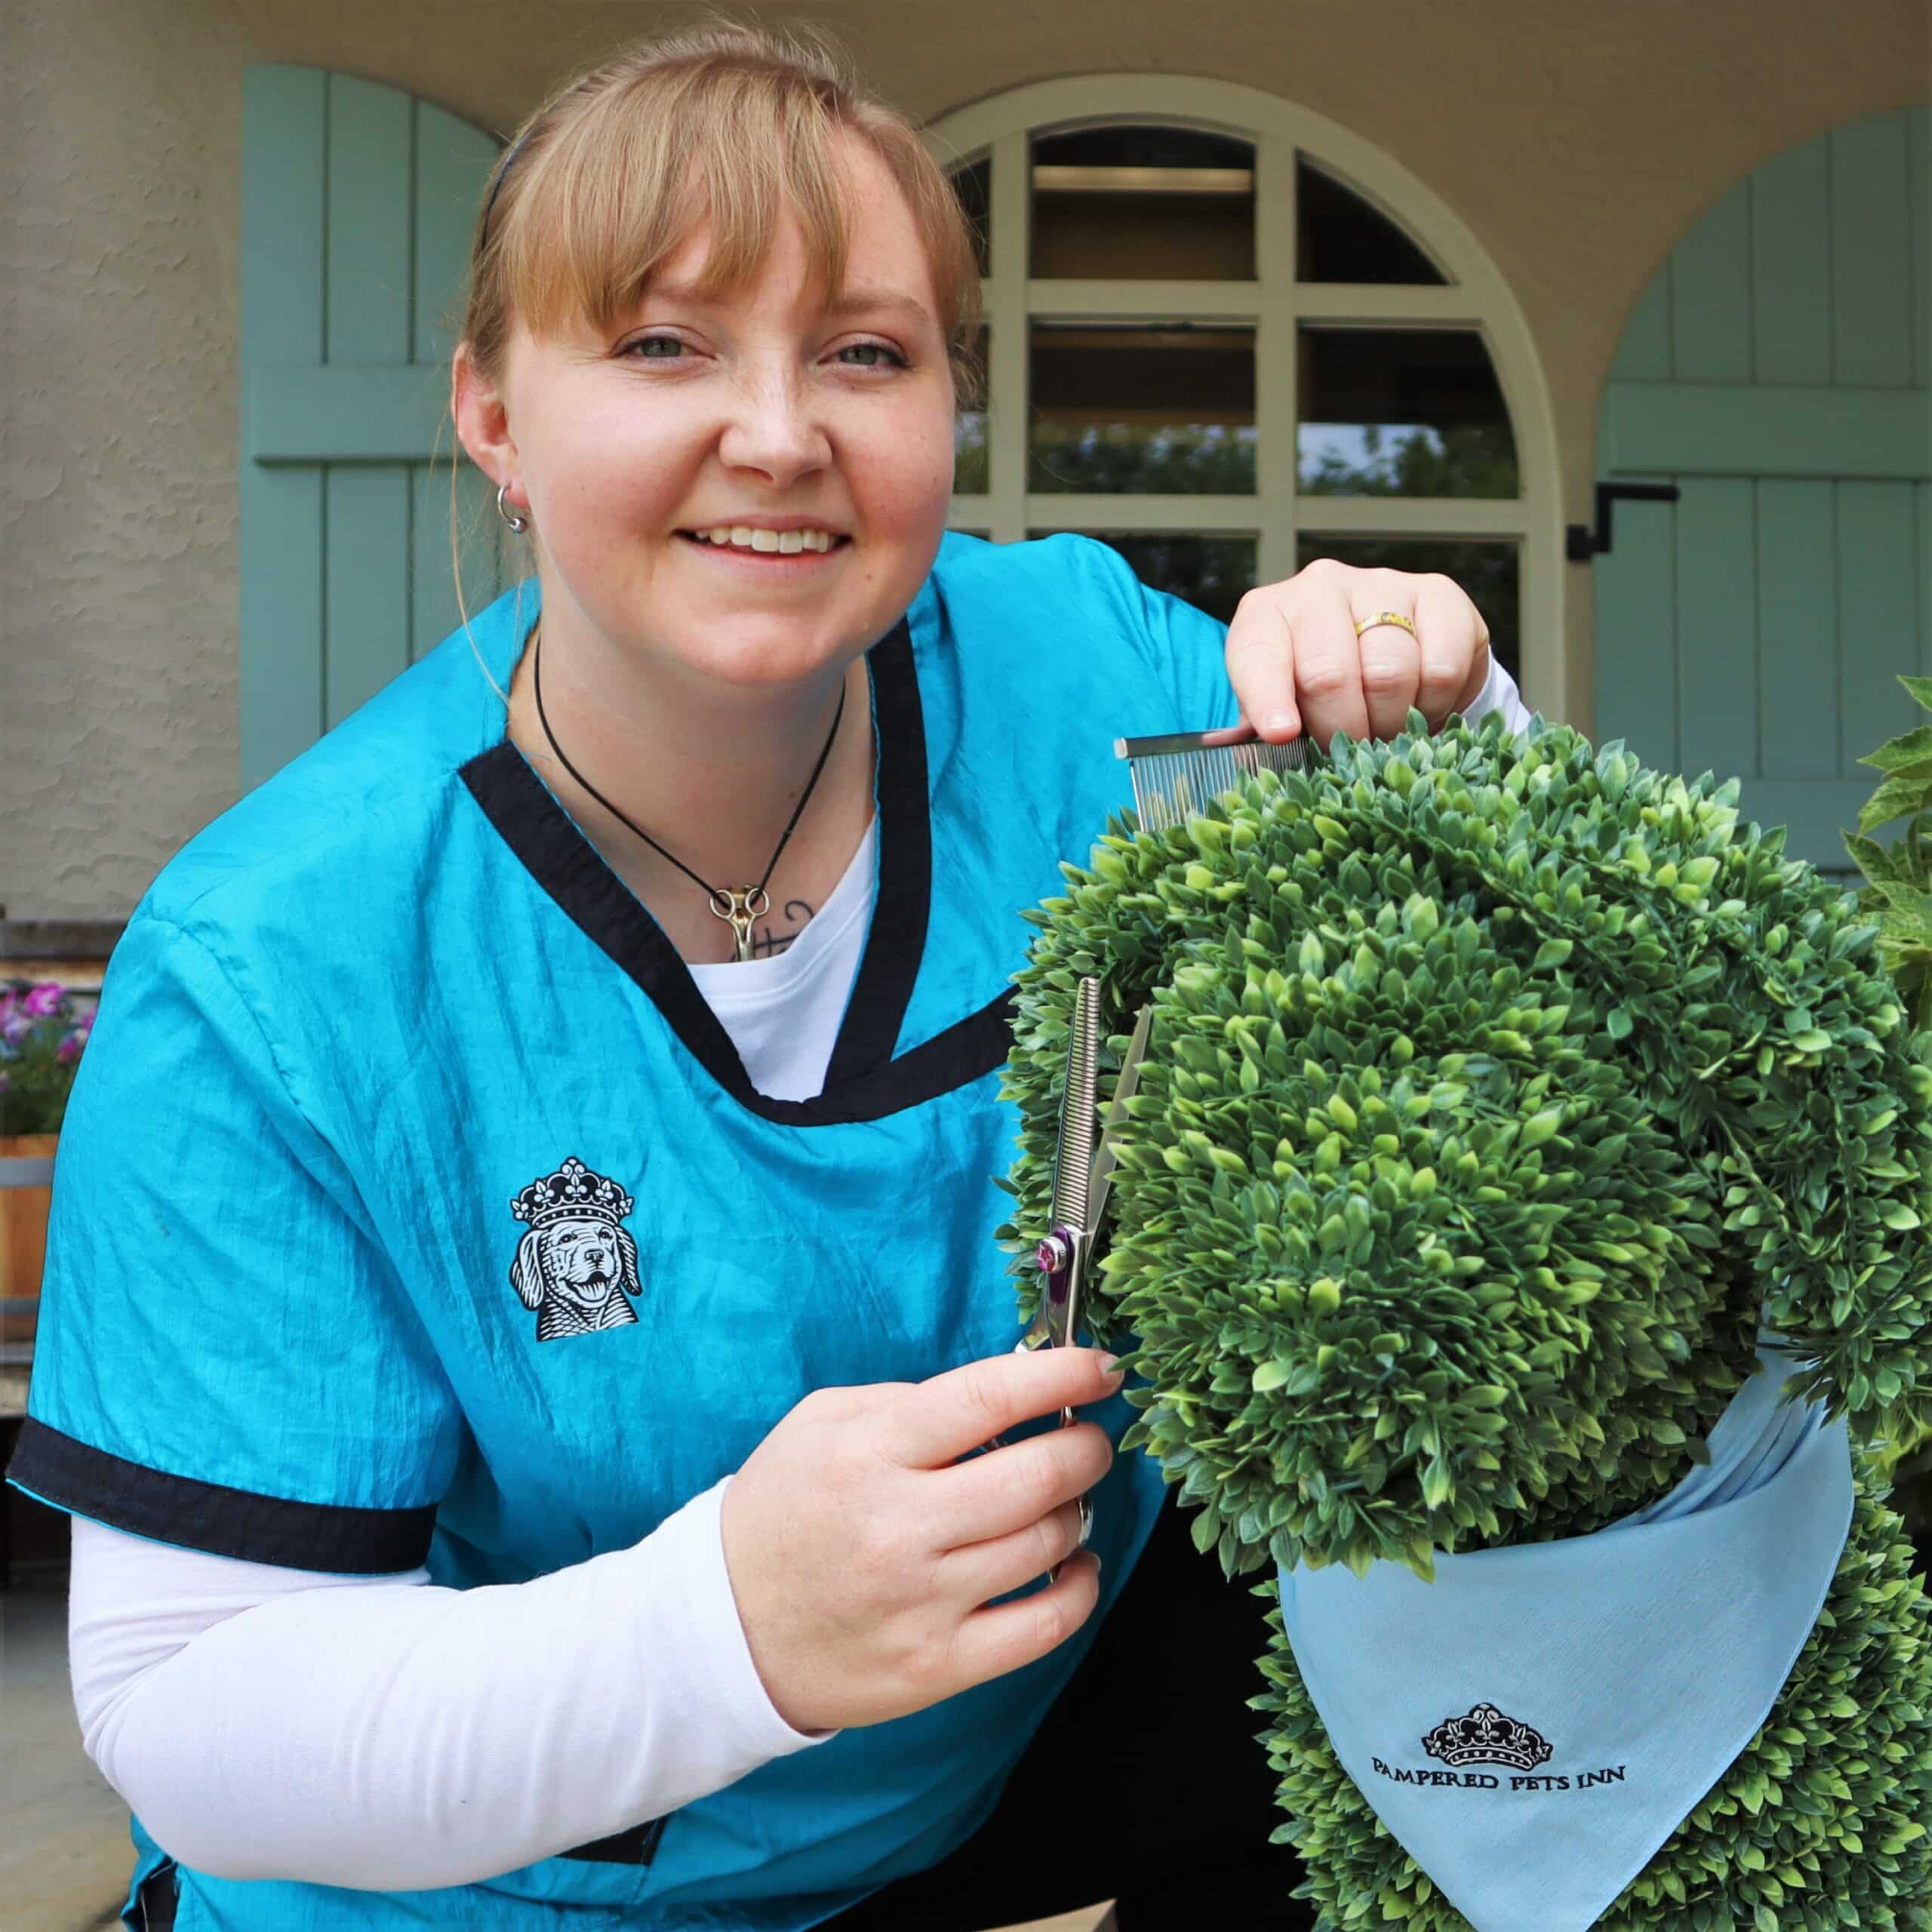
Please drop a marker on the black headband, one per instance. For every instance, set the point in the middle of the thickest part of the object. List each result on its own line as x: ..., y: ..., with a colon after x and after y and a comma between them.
x: 497, y: 187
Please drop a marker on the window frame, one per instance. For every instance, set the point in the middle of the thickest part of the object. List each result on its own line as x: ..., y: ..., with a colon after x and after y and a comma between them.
x: 1475, y: 297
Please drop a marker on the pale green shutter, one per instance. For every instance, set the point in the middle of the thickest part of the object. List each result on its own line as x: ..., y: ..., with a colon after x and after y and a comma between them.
x: 358, y: 203
x: 1778, y: 371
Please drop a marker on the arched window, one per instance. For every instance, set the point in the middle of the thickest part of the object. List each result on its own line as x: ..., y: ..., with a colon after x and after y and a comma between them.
x: 1227, y: 336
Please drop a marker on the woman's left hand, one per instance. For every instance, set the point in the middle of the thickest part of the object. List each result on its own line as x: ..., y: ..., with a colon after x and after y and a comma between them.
x: 1297, y: 664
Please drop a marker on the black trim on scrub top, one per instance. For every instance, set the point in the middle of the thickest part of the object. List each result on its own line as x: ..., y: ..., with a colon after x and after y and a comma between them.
x: 637, y: 1846
x: 211, y: 1517
x: 863, y: 1081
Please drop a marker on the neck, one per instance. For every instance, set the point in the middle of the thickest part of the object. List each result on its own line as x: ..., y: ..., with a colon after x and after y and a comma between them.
x: 713, y: 775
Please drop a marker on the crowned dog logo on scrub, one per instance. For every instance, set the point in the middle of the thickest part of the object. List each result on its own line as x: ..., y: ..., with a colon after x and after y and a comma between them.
x: 576, y: 1266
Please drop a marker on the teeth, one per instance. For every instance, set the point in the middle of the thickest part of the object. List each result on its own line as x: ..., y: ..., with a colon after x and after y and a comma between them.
x: 785, y: 542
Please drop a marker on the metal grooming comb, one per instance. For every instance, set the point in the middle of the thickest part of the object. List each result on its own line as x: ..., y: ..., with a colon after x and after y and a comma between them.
x: 1180, y: 773
x: 1073, y: 1164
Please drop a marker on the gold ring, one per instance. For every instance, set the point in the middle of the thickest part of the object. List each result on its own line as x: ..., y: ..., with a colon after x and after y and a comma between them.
x: 1386, y: 617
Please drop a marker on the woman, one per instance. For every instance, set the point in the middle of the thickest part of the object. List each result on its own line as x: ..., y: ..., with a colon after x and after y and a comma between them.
x: 521, y: 1304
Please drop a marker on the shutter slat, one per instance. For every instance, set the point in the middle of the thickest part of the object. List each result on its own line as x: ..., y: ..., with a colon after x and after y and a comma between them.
x: 1710, y: 295
x: 1871, y: 297
x: 433, y: 613
x: 369, y: 282
x: 1637, y: 634
x: 1798, y: 628
x: 453, y: 161
x: 1791, y: 282
x: 1718, y: 681
x: 1878, y: 638
x: 280, y: 694
x: 367, y: 642
x: 283, y: 118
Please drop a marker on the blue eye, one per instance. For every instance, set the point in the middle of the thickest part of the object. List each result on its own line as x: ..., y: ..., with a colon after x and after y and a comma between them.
x: 676, y: 347
x: 896, y: 360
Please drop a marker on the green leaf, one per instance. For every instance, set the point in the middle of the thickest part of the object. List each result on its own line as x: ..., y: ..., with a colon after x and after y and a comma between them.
x: 1897, y: 797
x: 1873, y: 860
x: 1271, y: 1375
x: 1896, y: 753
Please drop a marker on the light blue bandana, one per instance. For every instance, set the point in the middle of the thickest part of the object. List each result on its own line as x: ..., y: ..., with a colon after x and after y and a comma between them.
x: 1534, y: 1724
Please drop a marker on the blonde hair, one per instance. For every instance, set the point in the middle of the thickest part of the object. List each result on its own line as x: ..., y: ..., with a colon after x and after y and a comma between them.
x: 730, y: 121
x: 604, y: 181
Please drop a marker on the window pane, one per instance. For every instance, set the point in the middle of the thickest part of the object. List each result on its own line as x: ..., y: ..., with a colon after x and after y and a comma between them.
x: 1211, y: 572
x: 1339, y: 237
x: 973, y: 185
x: 969, y: 441
x: 1160, y: 202
x: 1489, y: 572
x: 1402, y: 413
x: 1132, y: 407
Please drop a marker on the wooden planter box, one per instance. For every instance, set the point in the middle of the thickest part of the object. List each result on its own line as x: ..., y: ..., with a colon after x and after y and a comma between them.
x: 25, y: 1189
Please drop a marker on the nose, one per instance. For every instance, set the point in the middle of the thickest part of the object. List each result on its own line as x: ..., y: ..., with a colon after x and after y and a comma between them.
x: 774, y: 432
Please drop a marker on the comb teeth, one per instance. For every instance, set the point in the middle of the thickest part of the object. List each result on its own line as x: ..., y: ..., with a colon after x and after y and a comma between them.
x: 1176, y: 775
x: 1073, y: 1168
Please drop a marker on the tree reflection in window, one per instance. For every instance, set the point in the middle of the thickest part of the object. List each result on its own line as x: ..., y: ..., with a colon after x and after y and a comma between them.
x: 1147, y: 408
x: 1401, y: 412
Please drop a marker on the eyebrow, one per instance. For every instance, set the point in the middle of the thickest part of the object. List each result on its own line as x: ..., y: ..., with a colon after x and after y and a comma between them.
x: 851, y: 301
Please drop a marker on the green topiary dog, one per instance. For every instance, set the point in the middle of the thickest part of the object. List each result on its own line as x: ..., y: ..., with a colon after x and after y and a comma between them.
x: 1496, y: 1090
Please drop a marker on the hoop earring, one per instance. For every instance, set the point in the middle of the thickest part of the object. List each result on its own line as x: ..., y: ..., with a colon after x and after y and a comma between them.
x: 518, y: 524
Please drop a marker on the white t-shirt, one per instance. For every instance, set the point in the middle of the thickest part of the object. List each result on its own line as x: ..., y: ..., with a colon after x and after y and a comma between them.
x: 783, y: 1012
x: 387, y: 1734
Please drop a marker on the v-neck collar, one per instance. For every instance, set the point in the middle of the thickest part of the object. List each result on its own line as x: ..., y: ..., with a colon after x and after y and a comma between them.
x: 863, y: 1081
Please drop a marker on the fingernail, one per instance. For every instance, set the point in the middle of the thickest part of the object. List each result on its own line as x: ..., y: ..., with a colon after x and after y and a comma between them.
x: 1280, y: 721
x: 1110, y: 1367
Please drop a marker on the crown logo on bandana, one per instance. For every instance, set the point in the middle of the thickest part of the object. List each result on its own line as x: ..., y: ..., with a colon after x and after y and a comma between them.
x: 572, y: 1192
x: 1486, y: 1737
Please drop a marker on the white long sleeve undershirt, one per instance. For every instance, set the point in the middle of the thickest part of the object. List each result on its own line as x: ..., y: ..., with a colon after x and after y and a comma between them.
x: 385, y: 1733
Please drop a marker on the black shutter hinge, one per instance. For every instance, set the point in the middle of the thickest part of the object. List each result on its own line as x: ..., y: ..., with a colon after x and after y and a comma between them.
x: 1584, y: 543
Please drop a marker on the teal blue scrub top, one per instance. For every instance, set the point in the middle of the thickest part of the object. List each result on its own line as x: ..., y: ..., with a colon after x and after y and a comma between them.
x: 391, y: 1023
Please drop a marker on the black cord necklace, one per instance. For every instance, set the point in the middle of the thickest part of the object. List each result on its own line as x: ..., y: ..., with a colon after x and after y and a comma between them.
x: 738, y: 909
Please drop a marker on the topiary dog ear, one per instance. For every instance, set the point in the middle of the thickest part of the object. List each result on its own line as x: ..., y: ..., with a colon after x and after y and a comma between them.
x: 527, y: 1275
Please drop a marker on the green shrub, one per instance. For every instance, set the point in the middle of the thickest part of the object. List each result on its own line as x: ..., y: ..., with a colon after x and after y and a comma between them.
x: 1494, y: 1087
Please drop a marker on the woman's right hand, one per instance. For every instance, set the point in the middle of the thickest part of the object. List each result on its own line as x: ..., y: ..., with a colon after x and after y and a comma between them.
x: 861, y: 1550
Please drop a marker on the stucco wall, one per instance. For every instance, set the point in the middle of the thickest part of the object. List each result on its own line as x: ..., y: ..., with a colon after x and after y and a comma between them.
x: 1578, y: 142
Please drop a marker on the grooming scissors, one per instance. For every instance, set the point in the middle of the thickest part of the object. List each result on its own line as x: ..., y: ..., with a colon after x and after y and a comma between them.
x: 1083, y: 1162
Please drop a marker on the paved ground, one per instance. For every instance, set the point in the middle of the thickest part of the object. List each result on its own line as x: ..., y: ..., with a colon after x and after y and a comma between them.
x: 65, y: 1855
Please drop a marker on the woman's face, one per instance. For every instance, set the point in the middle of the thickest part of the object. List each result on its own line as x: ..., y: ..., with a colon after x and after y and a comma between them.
x: 763, y: 411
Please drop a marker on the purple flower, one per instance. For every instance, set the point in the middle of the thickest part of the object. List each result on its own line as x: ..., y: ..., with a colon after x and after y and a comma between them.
x: 69, y: 1049
x: 14, y: 1029
x: 8, y: 1000
x: 44, y: 999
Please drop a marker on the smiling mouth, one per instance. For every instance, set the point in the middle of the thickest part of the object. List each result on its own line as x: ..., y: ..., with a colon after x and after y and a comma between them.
x: 775, y: 544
